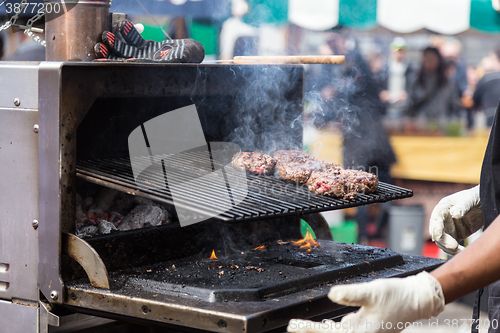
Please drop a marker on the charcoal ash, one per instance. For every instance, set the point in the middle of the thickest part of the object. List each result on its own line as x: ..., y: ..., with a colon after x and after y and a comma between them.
x: 115, y: 218
x: 86, y: 231
x: 108, y: 210
x: 143, y: 215
x: 105, y: 227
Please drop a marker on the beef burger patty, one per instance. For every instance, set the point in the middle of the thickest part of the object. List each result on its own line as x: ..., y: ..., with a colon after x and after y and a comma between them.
x: 345, y: 184
x: 301, y: 171
x: 257, y: 163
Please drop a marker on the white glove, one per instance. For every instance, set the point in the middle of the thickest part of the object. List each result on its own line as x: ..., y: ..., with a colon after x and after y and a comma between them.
x: 455, y: 218
x: 386, y: 304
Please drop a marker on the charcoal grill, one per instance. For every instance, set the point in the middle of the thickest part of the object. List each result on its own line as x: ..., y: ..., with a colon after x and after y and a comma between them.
x: 83, y: 114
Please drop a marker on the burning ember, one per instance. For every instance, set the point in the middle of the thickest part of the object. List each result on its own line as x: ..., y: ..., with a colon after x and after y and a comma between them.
x: 262, y: 247
x: 308, y: 242
x: 213, y: 256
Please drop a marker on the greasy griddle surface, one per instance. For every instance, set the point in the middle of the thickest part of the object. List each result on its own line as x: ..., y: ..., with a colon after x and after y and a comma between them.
x: 178, y: 297
x: 254, y: 274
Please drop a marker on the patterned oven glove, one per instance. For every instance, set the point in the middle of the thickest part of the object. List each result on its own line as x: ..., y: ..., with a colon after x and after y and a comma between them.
x: 126, y: 44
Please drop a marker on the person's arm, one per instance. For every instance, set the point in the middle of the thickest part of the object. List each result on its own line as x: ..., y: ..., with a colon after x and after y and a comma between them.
x: 474, y: 268
x: 400, y: 301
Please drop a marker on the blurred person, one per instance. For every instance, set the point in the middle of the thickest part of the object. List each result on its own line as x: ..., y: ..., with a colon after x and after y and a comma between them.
x: 487, y: 92
x: 400, y: 74
x: 432, y: 97
x: 488, y: 64
x: 352, y: 98
x: 378, y: 66
x: 466, y: 100
x: 237, y: 37
x: 451, y: 49
x: 472, y: 80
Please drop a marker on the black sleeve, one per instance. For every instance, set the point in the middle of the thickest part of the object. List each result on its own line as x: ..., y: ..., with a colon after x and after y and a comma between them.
x: 490, y: 176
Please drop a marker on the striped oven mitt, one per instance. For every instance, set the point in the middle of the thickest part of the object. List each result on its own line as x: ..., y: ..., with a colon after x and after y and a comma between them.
x: 127, y: 44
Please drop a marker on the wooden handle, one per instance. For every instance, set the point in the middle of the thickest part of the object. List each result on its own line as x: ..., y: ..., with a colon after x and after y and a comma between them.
x: 312, y: 59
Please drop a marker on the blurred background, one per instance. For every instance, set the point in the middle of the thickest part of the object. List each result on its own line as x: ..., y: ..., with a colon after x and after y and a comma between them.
x: 414, y: 102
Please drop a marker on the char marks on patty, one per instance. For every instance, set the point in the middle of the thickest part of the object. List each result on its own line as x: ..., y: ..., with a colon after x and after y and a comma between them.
x: 345, y: 184
x: 257, y: 163
x: 321, y: 177
x: 301, y: 171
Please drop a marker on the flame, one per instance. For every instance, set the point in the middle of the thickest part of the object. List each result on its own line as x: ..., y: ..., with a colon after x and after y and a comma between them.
x: 308, y: 242
x: 262, y: 247
x: 213, y: 256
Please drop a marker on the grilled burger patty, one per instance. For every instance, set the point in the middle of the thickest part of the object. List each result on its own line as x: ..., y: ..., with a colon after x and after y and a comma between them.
x: 366, y: 182
x: 325, y: 183
x: 257, y: 163
x: 322, y: 177
x: 301, y: 171
x: 345, y: 184
x: 290, y: 156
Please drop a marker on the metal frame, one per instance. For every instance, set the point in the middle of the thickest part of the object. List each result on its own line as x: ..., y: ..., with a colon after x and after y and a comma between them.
x: 49, y: 193
x: 45, y: 208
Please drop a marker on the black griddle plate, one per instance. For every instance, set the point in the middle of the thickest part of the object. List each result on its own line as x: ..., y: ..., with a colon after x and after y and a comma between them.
x: 193, y: 292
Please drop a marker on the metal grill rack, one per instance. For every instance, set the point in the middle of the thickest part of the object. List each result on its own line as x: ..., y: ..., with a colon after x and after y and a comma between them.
x: 267, y: 197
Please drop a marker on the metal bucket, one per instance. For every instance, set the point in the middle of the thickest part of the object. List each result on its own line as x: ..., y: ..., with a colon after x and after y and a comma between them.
x: 406, y: 227
x: 72, y: 32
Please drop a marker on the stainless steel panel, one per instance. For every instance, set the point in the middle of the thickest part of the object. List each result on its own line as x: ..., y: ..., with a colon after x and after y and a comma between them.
x: 15, y: 318
x: 49, y: 232
x: 18, y: 204
x: 19, y: 80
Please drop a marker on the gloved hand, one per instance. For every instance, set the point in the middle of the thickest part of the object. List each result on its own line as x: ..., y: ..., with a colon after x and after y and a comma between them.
x: 455, y: 218
x: 386, y: 304
x: 125, y: 43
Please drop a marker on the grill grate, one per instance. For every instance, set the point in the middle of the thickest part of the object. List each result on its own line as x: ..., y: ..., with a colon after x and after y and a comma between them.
x: 267, y: 197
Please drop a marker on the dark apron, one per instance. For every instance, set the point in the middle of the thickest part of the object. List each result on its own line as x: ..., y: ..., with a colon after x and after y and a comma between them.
x: 490, y: 202
x: 494, y: 307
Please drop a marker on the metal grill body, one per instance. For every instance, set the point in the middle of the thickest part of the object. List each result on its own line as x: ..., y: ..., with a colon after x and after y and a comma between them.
x: 84, y: 113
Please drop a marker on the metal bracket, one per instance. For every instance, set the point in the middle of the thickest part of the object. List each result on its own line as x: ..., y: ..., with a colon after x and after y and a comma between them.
x: 47, y: 318
x: 88, y: 258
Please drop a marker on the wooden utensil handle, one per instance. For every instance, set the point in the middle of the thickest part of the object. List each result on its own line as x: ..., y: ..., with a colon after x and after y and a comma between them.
x: 312, y: 59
